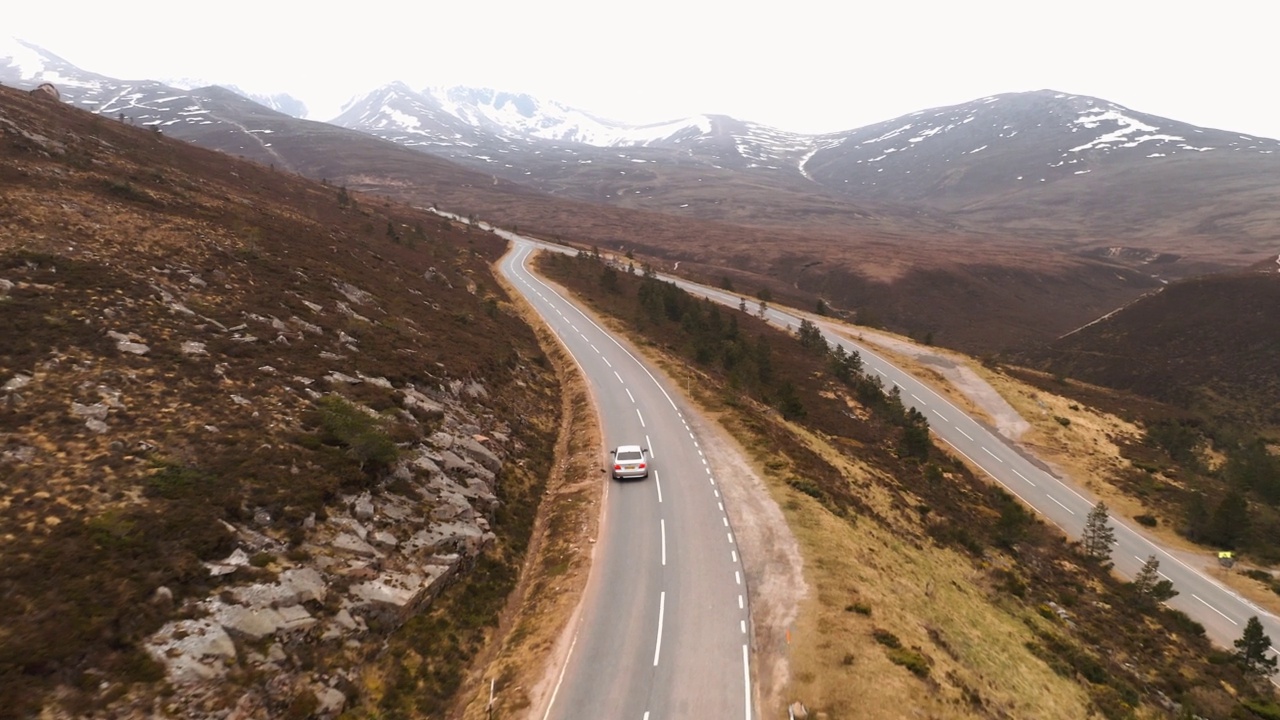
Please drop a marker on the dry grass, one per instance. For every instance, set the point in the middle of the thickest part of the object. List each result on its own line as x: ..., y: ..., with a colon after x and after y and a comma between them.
x: 933, y: 600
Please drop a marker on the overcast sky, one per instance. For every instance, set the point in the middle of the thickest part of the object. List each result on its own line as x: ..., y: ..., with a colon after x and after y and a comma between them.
x: 800, y: 65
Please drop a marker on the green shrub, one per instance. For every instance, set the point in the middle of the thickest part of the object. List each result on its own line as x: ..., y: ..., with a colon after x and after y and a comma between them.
x: 175, y: 482
x: 1262, y: 707
x: 1183, y: 622
x: 363, y: 436
x: 886, y: 638
x: 1146, y: 520
x: 910, y: 659
x: 1260, y: 575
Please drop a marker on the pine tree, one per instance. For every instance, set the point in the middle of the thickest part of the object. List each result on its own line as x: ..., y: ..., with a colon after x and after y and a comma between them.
x: 1148, y: 576
x: 1149, y: 586
x: 1098, y: 536
x: 1252, y: 647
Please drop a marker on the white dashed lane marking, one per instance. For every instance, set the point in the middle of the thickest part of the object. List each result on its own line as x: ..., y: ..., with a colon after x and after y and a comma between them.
x: 1233, y: 622
x: 1064, y: 507
x: 965, y: 434
x: 983, y: 450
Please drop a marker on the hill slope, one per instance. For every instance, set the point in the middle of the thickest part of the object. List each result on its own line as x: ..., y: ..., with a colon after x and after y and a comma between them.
x: 250, y: 424
x: 1210, y: 343
x: 981, y: 261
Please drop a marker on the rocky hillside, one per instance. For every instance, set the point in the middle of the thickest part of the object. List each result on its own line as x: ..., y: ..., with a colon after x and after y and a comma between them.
x: 250, y: 424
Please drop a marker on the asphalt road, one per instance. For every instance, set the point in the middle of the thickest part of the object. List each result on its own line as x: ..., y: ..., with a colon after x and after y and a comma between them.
x: 664, y: 628
x: 1221, y: 610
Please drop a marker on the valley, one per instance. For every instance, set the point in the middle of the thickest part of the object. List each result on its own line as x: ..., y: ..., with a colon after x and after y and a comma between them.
x: 285, y: 419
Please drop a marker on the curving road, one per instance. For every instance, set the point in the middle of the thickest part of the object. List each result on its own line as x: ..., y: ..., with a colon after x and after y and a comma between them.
x: 1221, y: 610
x: 628, y: 533
x: 664, y: 630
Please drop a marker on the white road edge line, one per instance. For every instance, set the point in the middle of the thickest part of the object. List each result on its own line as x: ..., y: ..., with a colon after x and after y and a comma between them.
x: 746, y: 681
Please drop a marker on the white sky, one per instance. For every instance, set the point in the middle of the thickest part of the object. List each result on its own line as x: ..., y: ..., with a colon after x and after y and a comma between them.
x: 800, y: 65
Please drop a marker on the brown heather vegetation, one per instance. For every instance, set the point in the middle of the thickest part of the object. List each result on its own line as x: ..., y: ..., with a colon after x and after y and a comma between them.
x: 891, y: 266
x: 987, y: 611
x: 105, y: 227
x: 1209, y: 345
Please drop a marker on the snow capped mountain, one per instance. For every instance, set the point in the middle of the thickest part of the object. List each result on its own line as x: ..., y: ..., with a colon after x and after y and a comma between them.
x: 1014, y: 163
x: 395, y: 110
x: 280, y: 102
x: 27, y: 65
x: 397, y: 113
x: 148, y: 102
x: 1012, y: 139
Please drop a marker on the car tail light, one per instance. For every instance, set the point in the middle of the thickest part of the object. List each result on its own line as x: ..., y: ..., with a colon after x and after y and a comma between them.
x: 641, y: 466
x: 617, y: 467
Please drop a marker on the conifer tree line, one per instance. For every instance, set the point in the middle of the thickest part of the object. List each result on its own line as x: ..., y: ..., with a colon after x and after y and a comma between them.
x: 1231, y: 506
x: 712, y: 336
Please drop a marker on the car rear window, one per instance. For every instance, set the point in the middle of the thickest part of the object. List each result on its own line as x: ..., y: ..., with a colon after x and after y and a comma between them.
x: 629, y: 456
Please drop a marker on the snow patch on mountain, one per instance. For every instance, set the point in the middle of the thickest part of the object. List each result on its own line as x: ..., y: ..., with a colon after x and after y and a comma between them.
x: 27, y: 62
x: 24, y: 63
x: 1127, y: 126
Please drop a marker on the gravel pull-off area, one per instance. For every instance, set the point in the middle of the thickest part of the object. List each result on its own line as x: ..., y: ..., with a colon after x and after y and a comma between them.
x: 1007, y: 420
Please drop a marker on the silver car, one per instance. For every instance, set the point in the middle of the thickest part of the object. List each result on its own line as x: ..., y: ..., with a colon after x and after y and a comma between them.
x: 629, y: 462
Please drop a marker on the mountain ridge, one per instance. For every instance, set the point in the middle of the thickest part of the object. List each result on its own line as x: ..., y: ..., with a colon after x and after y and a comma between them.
x: 834, y: 216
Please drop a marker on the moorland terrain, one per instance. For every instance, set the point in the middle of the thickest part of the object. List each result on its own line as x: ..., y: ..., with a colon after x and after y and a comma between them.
x: 118, y: 238
x: 261, y: 439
